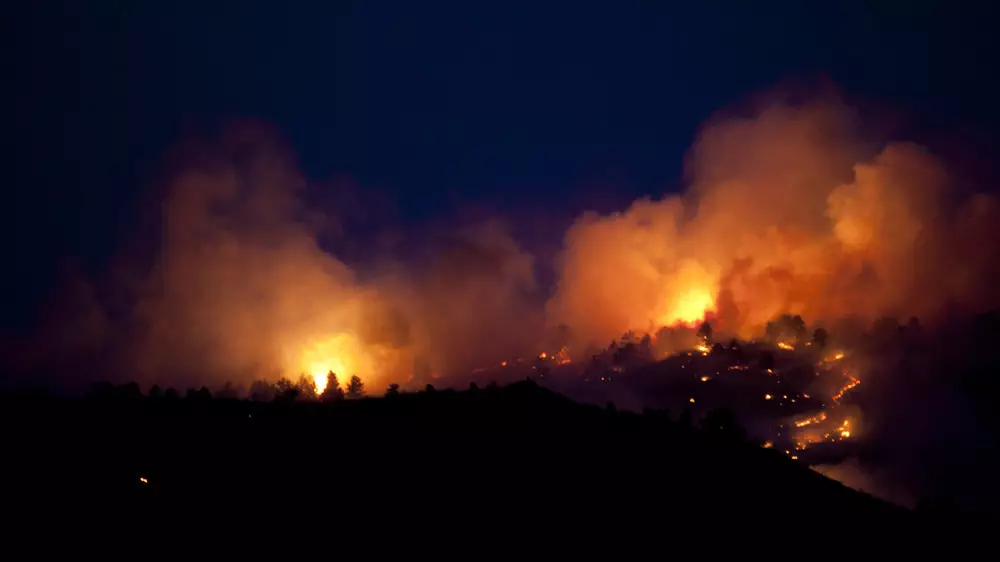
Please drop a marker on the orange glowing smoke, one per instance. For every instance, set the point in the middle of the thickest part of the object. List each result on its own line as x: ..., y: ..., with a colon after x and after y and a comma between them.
x: 343, y: 354
x: 689, y: 306
x: 787, y: 212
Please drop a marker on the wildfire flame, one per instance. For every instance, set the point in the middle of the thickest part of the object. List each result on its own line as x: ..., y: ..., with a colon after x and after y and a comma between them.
x: 811, y: 420
x: 690, y: 307
x: 852, y: 382
x: 342, y: 354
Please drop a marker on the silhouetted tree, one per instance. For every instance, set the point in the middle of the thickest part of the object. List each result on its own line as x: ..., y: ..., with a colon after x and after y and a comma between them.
x: 625, y: 355
x: 129, y: 391
x: 645, y: 348
x: 286, y: 390
x: 306, y: 386
x: 393, y: 391
x: 332, y: 392
x: 155, y: 392
x: 355, y: 388
x: 705, y: 331
x: 767, y: 360
x: 200, y: 395
x: 787, y: 327
x: 262, y: 391
x: 228, y: 391
x: 171, y: 394
x: 820, y: 337
x: 473, y: 386
x: 429, y: 388
x: 611, y: 408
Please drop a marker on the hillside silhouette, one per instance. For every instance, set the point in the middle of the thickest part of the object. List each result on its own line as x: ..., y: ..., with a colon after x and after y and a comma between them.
x: 488, y: 455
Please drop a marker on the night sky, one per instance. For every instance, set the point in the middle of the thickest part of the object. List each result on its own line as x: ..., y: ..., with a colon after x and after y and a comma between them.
x: 438, y: 107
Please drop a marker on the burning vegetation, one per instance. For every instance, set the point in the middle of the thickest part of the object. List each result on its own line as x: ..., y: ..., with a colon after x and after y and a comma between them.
x: 788, y: 214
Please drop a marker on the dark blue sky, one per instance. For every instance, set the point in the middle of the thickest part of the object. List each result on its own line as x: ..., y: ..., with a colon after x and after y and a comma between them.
x: 438, y: 106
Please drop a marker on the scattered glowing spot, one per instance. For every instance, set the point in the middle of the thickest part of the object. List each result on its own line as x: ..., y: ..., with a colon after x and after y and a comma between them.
x: 504, y: 364
x: 767, y: 397
x: 705, y: 378
x: 143, y: 480
x: 786, y: 346
x: 691, y: 400
x: 795, y: 457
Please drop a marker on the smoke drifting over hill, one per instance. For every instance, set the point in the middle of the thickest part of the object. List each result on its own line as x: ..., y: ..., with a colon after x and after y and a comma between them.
x: 788, y: 210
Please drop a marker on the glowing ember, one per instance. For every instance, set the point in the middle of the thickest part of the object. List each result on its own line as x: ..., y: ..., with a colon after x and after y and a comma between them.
x: 852, y: 382
x: 543, y: 355
x: 702, y: 348
x: 786, y: 346
x: 691, y: 400
x: 811, y: 420
x: 705, y: 378
x: 562, y: 358
x: 835, y: 357
x: 767, y: 445
x: 768, y: 397
x: 143, y: 479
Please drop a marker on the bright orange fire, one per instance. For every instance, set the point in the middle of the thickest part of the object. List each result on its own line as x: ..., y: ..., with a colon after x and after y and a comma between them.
x: 343, y: 354
x: 689, y: 307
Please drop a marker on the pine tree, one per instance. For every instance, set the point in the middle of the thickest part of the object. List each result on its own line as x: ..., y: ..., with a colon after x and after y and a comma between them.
x: 332, y: 392
x: 306, y: 387
x: 355, y: 388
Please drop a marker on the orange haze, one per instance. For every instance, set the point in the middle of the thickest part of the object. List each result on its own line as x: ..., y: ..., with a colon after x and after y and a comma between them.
x: 787, y: 210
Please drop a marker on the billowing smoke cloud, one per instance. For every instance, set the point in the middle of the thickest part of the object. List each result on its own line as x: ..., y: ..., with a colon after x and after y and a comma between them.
x: 789, y: 210
x: 239, y: 288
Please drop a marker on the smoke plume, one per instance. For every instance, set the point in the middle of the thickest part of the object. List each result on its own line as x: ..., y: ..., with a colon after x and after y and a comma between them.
x: 788, y: 210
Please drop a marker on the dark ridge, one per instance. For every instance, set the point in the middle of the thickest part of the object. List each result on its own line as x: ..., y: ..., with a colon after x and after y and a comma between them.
x: 497, y: 456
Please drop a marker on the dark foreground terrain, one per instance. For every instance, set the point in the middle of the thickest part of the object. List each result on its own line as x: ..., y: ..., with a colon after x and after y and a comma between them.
x: 493, y: 458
